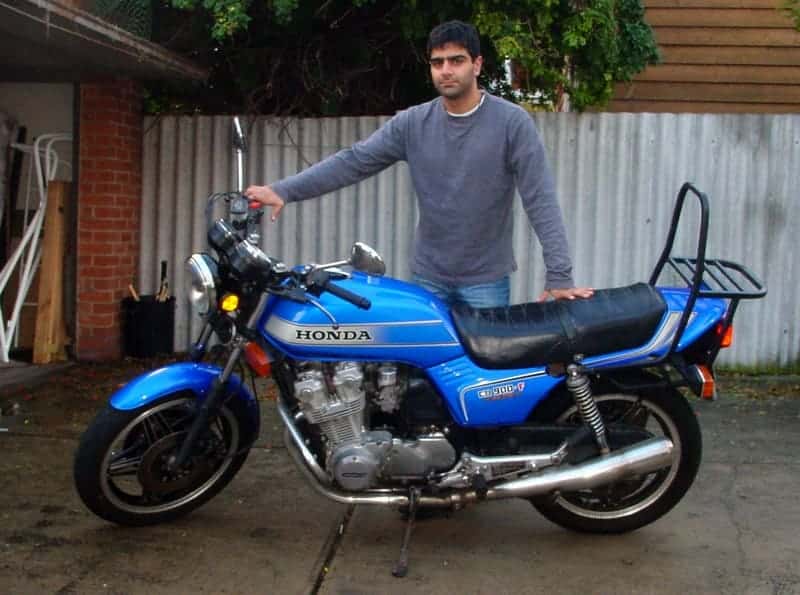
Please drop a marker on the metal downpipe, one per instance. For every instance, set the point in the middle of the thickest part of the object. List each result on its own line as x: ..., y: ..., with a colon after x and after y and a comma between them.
x: 307, y: 463
x: 292, y: 437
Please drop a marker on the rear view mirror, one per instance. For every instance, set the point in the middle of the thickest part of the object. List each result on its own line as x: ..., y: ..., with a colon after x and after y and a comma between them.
x: 366, y: 259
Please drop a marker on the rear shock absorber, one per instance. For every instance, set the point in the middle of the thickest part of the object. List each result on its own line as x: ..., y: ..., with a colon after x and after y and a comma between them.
x: 578, y: 384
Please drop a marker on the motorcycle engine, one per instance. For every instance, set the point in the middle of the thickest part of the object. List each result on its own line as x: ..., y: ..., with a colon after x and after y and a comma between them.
x: 335, y: 397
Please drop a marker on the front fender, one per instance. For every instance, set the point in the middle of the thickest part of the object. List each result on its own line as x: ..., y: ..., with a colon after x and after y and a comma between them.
x: 174, y: 378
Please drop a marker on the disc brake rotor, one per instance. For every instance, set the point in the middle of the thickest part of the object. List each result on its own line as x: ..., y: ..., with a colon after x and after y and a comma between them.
x: 154, y: 475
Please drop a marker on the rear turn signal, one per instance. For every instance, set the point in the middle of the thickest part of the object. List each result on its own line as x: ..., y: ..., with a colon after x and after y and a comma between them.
x: 726, y: 333
x: 709, y: 389
x: 257, y: 359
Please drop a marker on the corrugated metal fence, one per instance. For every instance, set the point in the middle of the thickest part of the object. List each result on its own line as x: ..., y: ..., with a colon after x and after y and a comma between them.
x: 617, y: 176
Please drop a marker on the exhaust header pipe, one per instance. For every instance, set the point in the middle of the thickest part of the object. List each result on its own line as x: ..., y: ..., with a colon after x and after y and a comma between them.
x: 636, y: 459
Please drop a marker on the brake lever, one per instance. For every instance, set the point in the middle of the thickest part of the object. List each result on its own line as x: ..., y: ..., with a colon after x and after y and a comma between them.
x: 318, y: 277
x: 338, y: 274
x: 294, y: 294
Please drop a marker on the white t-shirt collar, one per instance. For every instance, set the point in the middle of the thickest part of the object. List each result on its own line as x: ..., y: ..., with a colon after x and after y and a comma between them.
x: 470, y: 112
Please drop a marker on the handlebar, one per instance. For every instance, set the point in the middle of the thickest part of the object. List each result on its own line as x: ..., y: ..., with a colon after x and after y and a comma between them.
x: 249, y: 262
x: 348, y: 296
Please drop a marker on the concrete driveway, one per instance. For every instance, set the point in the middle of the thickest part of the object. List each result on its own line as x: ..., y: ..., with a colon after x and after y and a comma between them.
x: 737, y: 531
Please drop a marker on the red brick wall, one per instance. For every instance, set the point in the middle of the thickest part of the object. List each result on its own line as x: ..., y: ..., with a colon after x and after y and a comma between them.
x: 109, y: 199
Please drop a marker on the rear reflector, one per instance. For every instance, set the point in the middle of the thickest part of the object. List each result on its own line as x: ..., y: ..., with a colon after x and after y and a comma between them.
x: 709, y: 389
x: 257, y: 359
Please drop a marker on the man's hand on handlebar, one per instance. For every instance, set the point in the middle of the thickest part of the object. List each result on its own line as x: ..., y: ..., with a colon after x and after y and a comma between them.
x: 266, y: 196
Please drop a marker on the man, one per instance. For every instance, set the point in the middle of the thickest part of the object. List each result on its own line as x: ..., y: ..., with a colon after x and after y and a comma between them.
x: 467, y: 151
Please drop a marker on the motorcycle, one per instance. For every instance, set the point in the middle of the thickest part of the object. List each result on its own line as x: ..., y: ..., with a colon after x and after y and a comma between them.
x: 389, y: 397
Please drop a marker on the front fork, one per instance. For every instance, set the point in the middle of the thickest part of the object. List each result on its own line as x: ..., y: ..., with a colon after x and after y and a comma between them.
x: 210, y: 406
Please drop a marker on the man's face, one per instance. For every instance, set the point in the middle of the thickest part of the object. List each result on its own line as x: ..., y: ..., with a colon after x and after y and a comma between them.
x: 453, y: 72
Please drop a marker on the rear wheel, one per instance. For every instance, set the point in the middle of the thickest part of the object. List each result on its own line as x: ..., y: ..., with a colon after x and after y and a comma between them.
x: 121, y: 469
x: 636, y: 501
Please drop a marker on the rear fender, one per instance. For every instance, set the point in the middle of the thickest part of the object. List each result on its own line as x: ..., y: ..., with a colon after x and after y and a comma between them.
x: 185, y: 377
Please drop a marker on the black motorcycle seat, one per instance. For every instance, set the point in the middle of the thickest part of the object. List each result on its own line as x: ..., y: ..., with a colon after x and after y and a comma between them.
x: 541, y: 333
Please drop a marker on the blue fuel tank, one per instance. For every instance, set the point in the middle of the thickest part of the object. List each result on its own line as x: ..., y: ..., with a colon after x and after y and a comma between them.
x: 405, y: 324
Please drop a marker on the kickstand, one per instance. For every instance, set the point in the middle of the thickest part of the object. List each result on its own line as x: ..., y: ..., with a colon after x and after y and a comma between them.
x: 401, y: 568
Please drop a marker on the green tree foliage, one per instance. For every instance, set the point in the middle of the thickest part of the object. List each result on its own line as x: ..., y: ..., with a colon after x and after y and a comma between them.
x: 353, y: 57
x: 792, y: 8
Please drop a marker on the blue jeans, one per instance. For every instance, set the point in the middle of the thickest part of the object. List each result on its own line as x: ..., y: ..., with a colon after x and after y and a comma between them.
x: 482, y: 295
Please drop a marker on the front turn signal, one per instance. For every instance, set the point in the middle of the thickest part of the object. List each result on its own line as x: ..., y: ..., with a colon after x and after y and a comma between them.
x: 257, y: 359
x: 230, y: 302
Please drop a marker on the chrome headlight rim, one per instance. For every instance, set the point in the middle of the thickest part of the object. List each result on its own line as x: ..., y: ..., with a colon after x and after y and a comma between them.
x: 203, y: 292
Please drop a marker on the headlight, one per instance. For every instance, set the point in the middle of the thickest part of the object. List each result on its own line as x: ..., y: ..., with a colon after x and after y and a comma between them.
x: 203, y: 293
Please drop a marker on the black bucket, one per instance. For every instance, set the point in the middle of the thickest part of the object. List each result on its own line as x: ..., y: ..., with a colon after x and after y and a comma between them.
x: 148, y: 326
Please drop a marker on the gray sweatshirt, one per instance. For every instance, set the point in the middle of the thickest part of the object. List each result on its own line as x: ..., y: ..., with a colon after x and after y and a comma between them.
x: 464, y: 171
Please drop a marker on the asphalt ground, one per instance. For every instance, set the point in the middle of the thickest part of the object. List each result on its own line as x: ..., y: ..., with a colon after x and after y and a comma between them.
x: 737, y: 530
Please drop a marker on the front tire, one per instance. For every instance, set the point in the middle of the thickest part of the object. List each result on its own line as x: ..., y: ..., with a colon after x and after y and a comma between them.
x: 633, y: 503
x: 120, y: 466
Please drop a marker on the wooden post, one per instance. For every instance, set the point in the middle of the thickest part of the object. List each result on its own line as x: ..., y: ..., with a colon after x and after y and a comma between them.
x: 50, y: 336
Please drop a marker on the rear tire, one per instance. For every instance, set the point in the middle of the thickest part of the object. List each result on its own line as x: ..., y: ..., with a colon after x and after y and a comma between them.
x: 120, y: 471
x: 633, y: 503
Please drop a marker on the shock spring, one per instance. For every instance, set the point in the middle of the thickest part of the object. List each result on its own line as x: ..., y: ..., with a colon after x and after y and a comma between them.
x: 580, y: 387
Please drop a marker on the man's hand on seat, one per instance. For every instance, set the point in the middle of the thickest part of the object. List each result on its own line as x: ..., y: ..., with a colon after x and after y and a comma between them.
x: 566, y: 294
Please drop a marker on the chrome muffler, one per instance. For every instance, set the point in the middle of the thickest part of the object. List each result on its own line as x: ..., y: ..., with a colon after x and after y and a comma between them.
x: 636, y: 459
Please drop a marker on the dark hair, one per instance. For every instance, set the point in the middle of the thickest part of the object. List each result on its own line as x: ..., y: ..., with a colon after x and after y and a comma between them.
x: 457, y: 32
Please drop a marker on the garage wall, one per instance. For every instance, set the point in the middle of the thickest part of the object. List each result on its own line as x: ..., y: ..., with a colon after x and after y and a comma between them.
x: 42, y: 108
x: 108, y: 212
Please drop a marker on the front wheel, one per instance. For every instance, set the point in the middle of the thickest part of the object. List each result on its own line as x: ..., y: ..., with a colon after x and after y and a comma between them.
x: 631, y: 503
x: 121, y: 469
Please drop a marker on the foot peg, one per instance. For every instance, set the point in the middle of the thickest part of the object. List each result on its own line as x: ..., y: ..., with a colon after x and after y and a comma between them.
x: 401, y: 568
